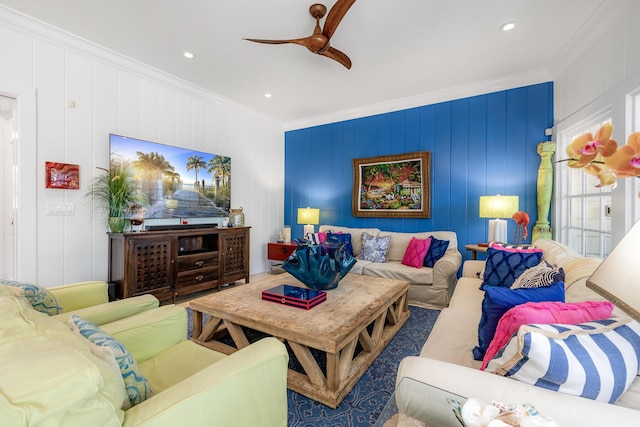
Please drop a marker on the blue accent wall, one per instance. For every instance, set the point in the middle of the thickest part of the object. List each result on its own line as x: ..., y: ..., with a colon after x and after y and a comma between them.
x: 482, y: 145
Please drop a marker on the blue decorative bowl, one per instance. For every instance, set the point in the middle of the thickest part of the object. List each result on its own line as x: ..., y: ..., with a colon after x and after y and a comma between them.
x: 319, y: 266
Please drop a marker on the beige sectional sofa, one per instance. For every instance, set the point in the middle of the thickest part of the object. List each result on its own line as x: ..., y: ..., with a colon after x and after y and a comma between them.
x: 446, y: 359
x: 430, y: 287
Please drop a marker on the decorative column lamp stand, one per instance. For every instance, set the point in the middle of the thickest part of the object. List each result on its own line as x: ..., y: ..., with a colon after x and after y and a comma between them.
x: 542, y: 228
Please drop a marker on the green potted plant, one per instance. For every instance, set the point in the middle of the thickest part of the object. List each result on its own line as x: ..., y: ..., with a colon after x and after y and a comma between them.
x: 114, y: 192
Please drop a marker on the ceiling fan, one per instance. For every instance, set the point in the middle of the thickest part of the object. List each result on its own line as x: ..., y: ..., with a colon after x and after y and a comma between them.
x: 318, y: 42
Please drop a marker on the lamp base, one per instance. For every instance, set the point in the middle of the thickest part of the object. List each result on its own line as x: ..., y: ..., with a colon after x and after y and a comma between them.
x: 497, y: 230
x: 308, y: 229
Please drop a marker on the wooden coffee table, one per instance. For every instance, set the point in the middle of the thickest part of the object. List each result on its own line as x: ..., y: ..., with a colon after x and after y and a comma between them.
x: 334, y: 327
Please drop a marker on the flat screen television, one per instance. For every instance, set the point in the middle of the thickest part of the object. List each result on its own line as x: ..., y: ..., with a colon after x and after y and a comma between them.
x: 176, y: 182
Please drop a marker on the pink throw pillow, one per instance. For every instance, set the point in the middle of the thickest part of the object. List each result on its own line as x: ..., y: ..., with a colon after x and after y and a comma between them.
x: 544, y: 312
x: 322, y: 236
x: 416, y: 251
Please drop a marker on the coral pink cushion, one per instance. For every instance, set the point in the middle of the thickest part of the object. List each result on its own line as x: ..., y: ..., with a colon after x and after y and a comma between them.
x: 322, y: 236
x: 416, y: 251
x: 544, y: 312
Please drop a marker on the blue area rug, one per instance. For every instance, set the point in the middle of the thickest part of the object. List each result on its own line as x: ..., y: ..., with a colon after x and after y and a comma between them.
x: 365, y: 402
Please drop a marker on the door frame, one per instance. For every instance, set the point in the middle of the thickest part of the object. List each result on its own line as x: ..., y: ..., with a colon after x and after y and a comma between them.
x: 25, y: 229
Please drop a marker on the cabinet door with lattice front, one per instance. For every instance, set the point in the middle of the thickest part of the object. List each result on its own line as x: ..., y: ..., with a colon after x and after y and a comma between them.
x: 151, y: 266
x: 234, y: 260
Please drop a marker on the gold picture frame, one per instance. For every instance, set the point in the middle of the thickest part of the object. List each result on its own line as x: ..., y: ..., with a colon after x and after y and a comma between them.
x: 396, y: 186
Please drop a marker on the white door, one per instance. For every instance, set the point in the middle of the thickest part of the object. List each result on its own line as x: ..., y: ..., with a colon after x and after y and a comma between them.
x: 7, y: 188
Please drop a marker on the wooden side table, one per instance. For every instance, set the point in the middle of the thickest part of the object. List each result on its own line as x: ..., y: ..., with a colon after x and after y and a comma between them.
x: 475, y: 249
x: 277, y: 253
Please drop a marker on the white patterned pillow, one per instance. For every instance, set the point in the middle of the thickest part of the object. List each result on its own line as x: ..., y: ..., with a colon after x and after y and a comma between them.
x: 41, y: 299
x: 542, y: 274
x: 596, y: 360
x: 374, y: 248
x: 137, y: 386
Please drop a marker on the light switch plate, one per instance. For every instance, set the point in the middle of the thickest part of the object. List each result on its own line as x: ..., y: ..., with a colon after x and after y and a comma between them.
x: 61, y: 208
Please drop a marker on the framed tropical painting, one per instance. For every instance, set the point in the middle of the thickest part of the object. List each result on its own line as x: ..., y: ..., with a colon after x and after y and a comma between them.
x: 392, y: 186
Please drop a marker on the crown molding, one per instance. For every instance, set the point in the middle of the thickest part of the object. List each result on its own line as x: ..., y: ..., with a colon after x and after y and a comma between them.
x: 593, y: 29
x: 509, y: 82
x: 32, y: 27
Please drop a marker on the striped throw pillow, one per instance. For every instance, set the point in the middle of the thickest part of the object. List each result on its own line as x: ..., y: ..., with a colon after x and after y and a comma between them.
x: 596, y: 360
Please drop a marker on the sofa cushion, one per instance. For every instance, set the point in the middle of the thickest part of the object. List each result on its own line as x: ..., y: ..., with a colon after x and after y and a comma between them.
x: 596, y: 360
x: 451, y: 339
x: 498, y: 300
x: 395, y: 270
x: 556, y: 253
x: 356, y: 235
x: 317, y: 238
x: 40, y: 298
x: 544, y: 312
x: 578, y: 269
x: 341, y: 238
x: 168, y: 367
x: 415, y: 252
x: 509, y: 246
x: 49, y: 376
x: 437, y: 249
x: 503, y: 266
x: 137, y: 386
x: 374, y: 248
x: 399, y: 243
x: 542, y: 274
x: 110, y: 312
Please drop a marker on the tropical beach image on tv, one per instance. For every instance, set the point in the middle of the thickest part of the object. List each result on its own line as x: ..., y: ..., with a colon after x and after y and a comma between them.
x: 176, y: 182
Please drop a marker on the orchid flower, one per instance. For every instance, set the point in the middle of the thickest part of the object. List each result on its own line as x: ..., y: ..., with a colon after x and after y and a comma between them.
x: 585, y: 148
x: 600, y: 170
x: 625, y: 161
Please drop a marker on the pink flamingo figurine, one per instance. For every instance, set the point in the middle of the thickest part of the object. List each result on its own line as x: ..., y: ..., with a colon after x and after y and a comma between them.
x: 522, y: 220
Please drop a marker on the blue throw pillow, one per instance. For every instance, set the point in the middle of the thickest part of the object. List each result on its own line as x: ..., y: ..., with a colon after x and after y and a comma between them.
x: 436, y: 251
x: 374, y: 248
x: 498, y: 300
x: 41, y: 299
x: 136, y: 385
x: 343, y: 238
x: 504, y: 266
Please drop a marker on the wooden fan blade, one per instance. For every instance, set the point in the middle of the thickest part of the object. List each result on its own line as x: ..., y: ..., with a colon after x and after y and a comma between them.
x: 335, y: 15
x: 336, y: 55
x: 302, y: 42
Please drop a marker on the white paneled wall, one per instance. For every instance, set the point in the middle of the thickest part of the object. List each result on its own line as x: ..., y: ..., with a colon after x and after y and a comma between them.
x: 600, y: 78
x: 115, y: 95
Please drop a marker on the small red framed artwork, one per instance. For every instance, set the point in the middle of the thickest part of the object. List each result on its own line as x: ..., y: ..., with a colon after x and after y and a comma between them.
x: 62, y: 175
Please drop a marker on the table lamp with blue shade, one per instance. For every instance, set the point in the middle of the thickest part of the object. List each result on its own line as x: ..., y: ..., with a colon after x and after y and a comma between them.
x: 498, y: 207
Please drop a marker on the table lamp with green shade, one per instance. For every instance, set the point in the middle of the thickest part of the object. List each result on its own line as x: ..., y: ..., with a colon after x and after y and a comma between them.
x: 498, y: 207
x: 309, y: 217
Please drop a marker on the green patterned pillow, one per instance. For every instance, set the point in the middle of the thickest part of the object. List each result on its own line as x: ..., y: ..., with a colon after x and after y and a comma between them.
x: 40, y: 298
x: 137, y: 386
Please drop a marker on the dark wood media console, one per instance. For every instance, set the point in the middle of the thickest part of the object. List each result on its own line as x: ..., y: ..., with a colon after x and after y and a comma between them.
x: 169, y: 263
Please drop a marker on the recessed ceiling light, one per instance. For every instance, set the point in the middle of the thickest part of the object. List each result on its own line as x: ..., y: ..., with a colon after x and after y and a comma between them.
x: 189, y: 55
x: 267, y: 95
x: 508, y: 26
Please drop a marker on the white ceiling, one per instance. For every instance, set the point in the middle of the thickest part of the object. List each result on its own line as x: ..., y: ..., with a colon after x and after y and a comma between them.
x: 399, y: 48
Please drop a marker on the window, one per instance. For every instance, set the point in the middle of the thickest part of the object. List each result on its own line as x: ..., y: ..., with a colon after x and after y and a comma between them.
x: 585, y: 219
x: 633, y: 107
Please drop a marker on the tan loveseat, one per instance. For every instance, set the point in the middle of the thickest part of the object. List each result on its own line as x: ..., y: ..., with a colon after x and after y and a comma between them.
x: 446, y: 359
x: 430, y: 287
